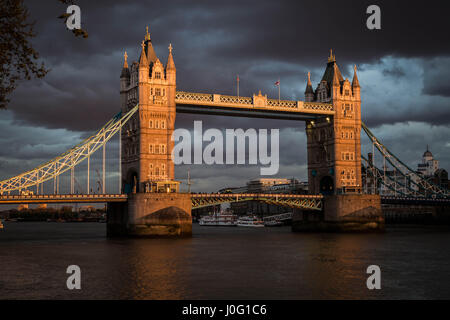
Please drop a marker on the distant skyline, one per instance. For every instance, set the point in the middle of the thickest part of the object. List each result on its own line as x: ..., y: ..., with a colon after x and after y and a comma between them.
x: 403, y: 69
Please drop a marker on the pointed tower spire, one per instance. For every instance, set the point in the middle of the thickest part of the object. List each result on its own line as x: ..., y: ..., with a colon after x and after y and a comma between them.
x: 170, y: 62
x: 125, y: 72
x: 147, y: 35
x: 151, y: 55
x: 336, y: 80
x: 331, y: 58
x: 355, y: 82
x: 309, y: 88
x: 125, y: 62
x: 309, y: 92
x: 143, y: 60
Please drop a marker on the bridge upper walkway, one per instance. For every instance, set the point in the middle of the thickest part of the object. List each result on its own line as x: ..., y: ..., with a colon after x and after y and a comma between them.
x: 256, y: 106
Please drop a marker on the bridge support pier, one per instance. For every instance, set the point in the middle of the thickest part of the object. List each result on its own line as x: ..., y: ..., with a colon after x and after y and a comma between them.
x: 151, y: 215
x: 342, y: 213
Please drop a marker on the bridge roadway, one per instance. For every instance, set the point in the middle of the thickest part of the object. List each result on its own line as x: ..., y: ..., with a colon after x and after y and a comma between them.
x: 209, y: 199
x: 198, y: 199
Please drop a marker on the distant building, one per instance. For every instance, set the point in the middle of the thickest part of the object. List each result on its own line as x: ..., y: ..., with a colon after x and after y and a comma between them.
x: 429, y: 165
x: 263, y: 185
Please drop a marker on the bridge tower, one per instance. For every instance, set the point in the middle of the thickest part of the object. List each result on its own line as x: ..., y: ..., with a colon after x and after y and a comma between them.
x: 146, y: 140
x: 155, y: 207
x: 334, y: 156
x: 334, y: 146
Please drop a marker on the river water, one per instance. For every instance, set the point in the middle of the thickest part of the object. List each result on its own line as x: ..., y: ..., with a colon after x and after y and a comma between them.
x: 222, y: 263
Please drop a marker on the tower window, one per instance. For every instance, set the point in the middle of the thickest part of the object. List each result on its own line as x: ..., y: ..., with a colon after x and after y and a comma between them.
x: 157, y: 124
x: 151, y: 148
x: 150, y: 124
x: 157, y: 92
x: 157, y: 75
x: 163, y: 124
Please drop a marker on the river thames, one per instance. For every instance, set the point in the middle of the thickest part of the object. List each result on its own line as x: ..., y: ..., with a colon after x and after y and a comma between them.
x: 222, y: 263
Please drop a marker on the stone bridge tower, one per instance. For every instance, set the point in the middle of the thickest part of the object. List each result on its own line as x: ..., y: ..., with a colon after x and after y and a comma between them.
x: 146, y: 139
x: 334, y: 146
x: 154, y: 208
x: 334, y: 159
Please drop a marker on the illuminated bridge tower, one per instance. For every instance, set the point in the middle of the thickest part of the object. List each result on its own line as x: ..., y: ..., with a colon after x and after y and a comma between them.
x: 334, y: 155
x: 154, y: 208
x: 146, y: 140
x: 334, y: 146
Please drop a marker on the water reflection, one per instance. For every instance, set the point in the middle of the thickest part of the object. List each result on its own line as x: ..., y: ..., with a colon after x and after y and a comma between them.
x: 221, y: 263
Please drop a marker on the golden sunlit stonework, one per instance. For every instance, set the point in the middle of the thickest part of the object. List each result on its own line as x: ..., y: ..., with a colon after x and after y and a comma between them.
x: 334, y: 147
x: 147, y: 144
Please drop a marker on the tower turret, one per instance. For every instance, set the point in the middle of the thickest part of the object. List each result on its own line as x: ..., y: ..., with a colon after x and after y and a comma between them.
x: 170, y: 67
x: 151, y: 55
x: 309, y: 92
x: 355, y: 85
x: 143, y: 65
x: 124, y: 82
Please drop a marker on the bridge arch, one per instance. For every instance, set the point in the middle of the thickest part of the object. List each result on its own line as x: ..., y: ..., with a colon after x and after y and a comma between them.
x: 131, y: 183
x: 326, y: 185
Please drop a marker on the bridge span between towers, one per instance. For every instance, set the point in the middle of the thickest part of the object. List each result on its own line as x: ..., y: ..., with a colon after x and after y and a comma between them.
x: 257, y: 106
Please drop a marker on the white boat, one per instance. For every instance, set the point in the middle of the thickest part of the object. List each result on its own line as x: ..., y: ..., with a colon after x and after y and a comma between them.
x: 219, y: 219
x: 250, y: 221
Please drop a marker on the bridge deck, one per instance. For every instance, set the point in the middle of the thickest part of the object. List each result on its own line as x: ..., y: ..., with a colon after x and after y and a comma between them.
x: 99, y: 198
x: 258, y: 106
x: 63, y: 198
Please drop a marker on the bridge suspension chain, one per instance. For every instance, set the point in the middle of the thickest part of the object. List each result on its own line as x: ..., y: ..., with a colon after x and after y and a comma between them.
x: 69, y: 159
x: 425, y: 188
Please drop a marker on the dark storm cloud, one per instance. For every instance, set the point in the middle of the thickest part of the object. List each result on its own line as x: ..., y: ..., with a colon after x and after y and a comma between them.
x: 436, y: 77
x: 213, y: 40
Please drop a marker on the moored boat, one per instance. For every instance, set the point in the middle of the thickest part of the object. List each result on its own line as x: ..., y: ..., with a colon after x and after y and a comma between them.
x: 250, y: 221
x: 219, y: 219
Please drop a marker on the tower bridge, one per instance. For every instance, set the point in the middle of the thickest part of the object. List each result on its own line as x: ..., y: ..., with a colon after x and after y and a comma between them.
x: 148, y: 201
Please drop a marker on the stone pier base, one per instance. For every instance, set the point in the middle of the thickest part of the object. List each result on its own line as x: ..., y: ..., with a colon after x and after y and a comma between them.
x: 151, y: 215
x: 342, y: 213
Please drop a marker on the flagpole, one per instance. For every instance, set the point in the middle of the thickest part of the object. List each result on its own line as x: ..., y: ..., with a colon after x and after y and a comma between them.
x: 237, y: 86
x: 279, y: 85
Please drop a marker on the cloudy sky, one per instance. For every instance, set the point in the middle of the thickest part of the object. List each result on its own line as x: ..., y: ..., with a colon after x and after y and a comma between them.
x: 404, y: 72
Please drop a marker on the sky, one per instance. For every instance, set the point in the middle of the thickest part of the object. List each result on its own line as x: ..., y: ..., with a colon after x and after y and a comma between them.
x: 403, y: 70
